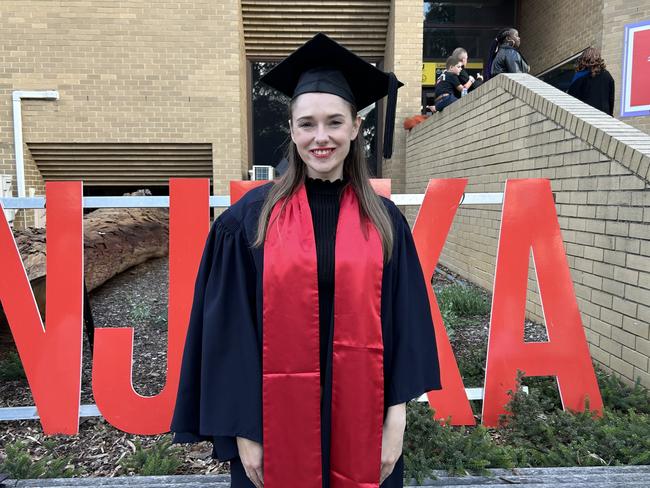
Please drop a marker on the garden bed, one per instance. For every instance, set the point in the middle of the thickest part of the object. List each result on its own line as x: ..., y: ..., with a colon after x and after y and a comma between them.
x: 538, y: 434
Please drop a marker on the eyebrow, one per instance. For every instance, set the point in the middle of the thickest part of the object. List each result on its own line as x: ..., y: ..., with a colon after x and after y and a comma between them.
x: 309, y: 117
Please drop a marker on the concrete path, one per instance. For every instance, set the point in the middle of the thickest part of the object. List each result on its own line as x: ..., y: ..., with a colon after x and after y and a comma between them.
x: 596, y: 477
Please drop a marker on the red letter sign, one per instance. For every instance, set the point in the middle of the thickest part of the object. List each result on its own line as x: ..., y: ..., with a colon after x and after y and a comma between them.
x: 117, y: 401
x: 51, y: 356
x: 430, y: 231
x: 529, y: 222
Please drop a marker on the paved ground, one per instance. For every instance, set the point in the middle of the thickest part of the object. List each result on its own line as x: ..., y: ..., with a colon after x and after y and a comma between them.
x: 597, y: 477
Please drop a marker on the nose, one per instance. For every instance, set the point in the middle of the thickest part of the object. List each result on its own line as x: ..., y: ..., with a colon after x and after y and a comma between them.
x: 321, y: 135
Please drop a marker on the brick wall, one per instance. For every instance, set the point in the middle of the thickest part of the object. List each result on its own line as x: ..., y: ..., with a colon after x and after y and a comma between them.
x: 403, y: 56
x: 126, y: 71
x: 552, y: 31
x: 599, y: 170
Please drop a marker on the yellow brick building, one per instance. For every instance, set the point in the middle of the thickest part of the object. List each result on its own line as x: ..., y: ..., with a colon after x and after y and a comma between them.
x: 152, y: 90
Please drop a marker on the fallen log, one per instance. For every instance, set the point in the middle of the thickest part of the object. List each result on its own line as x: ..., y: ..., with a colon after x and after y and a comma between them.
x: 115, y: 239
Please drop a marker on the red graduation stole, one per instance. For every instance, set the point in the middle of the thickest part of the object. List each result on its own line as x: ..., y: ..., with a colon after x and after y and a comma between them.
x: 290, y: 356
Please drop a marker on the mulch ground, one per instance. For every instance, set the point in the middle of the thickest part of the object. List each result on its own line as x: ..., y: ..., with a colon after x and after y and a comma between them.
x: 138, y: 298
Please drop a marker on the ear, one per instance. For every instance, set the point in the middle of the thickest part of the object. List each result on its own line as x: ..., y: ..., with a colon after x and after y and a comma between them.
x: 356, y: 125
x: 291, y: 131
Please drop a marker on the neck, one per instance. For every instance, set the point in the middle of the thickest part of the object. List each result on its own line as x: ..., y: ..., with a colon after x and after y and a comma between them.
x: 332, y: 176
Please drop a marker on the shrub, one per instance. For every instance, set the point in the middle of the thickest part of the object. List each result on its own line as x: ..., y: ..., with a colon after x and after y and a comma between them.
x: 617, y: 396
x: 430, y: 445
x: 19, y: 464
x: 140, y: 311
x: 11, y: 369
x: 160, y: 459
x: 544, y: 436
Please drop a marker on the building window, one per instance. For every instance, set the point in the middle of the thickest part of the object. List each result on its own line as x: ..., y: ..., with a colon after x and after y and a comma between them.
x: 269, y: 116
x: 468, y: 24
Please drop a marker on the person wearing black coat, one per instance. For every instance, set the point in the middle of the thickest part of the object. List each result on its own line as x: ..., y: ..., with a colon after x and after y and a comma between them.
x: 592, y: 83
x: 505, y: 56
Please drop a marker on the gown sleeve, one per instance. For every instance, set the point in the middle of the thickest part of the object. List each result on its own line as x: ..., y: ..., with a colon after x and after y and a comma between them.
x: 219, y: 394
x: 414, y: 362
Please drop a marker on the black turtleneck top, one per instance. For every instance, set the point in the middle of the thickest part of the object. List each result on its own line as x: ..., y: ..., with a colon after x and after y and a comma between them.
x: 324, y: 202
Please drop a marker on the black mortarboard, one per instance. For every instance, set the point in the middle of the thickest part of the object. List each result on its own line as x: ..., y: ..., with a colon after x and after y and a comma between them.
x: 323, y: 65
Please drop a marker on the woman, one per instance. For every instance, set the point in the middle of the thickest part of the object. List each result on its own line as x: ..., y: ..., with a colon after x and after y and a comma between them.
x: 310, y: 327
x: 468, y: 81
x: 592, y: 83
x: 505, y: 56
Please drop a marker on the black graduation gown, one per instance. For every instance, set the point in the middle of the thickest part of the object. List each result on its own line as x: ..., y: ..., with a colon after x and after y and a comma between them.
x: 220, y: 390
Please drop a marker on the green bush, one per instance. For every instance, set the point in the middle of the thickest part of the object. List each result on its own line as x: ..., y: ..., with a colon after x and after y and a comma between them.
x: 160, y: 459
x: 545, y: 436
x: 19, y: 464
x: 617, y: 396
x: 536, y: 432
x: 430, y: 445
x: 471, y: 363
x: 11, y: 369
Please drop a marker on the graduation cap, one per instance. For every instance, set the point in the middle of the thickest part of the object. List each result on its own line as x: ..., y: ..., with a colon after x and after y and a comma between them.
x: 323, y: 65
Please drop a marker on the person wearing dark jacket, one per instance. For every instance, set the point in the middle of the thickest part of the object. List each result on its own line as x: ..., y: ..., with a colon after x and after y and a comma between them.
x: 448, y: 85
x: 592, y: 83
x: 505, y: 56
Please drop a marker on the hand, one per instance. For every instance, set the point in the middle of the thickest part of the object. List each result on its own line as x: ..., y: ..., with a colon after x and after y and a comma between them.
x: 251, y: 455
x: 392, y: 439
x: 479, y: 76
x: 472, y: 79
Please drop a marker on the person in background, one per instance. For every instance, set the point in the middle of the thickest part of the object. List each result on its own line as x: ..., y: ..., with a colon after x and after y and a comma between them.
x: 467, y: 80
x: 448, y: 87
x: 592, y: 83
x: 505, y: 56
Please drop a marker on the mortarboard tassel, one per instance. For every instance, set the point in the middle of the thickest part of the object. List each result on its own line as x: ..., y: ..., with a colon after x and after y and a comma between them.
x: 389, y: 128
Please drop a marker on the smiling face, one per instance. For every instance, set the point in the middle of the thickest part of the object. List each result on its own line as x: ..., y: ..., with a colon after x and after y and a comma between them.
x: 322, y: 128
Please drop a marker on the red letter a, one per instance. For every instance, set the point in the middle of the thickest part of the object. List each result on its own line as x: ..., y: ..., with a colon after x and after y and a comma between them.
x: 529, y: 222
x: 51, y: 356
x: 117, y: 401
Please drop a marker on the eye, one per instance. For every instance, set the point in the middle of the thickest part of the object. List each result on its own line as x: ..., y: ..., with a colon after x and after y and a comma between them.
x: 336, y: 122
x: 304, y: 124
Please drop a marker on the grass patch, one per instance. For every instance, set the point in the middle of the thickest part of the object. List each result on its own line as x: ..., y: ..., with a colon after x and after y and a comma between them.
x: 460, y: 305
x: 463, y: 301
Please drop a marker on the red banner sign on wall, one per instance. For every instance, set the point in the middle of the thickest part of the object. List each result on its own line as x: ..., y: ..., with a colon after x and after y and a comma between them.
x: 635, y: 94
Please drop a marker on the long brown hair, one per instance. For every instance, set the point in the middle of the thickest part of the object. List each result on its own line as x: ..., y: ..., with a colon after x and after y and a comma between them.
x: 591, y: 60
x: 355, y: 171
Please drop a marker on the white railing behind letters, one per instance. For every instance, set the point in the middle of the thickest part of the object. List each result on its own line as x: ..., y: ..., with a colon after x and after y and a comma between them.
x: 219, y: 201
